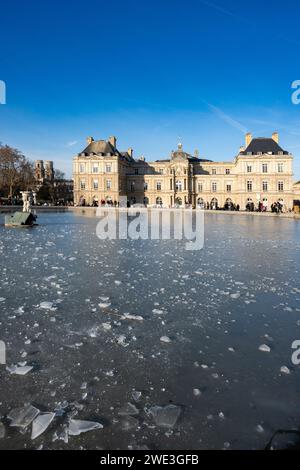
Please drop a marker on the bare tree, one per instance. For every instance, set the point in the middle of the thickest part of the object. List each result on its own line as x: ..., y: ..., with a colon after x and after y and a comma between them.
x: 16, y: 172
x: 59, y: 175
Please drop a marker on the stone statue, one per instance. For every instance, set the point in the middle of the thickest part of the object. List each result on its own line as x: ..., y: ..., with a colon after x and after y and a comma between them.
x: 28, y: 197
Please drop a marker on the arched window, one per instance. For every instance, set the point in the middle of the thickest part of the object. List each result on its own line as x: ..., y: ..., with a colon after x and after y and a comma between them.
x: 159, y: 201
x: 214, y: 204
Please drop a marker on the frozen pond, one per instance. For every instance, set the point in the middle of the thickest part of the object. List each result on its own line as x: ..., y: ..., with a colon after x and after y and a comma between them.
x: 191, y: 339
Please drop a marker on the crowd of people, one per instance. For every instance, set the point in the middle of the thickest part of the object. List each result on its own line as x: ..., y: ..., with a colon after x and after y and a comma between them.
x: 276, y: 207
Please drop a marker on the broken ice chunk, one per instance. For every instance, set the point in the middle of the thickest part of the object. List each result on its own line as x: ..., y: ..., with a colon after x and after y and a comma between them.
x: 165, y: 339
x: 77, y: 426
x: 136, y: 395
x: 122, y: 341
x: 259, y: 429
x: 156, y: 311
x: 23, y: 417
x: 285, y: 370
x: 47, y: 306
x: 165, y: 416
x: 104, y: 305
x: 128, y: 409
x: 41, y: 423
x: 128, y: 316
x: 235, y: 296
x: 19, y: 370
x: 264, y: 348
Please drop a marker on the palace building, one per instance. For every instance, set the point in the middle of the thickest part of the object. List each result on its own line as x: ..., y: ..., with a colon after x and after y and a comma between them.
x: 262, y: 172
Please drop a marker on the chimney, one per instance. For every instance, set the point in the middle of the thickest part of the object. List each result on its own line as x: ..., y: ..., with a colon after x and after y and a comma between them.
x: 130, y: 152
x: 89, y: 140
x: 275, y: 137
x: 112, y: 140
x: 248, y: 138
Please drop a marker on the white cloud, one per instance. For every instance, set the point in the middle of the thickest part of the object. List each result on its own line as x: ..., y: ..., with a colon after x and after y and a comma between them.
x: 71, y: 143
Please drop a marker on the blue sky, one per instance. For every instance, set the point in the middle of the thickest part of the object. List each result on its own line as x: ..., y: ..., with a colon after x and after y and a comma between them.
x: 149, y: 72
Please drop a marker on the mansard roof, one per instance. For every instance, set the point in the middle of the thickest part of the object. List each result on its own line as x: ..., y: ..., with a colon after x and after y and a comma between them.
x: 264, y: 145
x: 103, y: 147
x: 100, y: 146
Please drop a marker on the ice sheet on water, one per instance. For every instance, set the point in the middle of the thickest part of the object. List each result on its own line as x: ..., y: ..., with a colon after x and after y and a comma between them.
x: 165, y: 416
x: 41, y: 423
x: 77, y: 426
x: 23, y: 417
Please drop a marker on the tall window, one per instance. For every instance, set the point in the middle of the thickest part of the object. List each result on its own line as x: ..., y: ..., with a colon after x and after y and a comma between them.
x: 178, y: 185
x: 214, y: 187
x: 161, y: 171
x: 95, y: 184
x: 145, y: 186
x: 108, y: 168
x: 200, y: 187
x: 249, y: 186
x: 264, y: 168
x: 280, y: 167
x: 95, y: 168
x: 249, y: 168
x: 132, y: 186
x: 227, y: 171
x: 228, y: 188
x: 214, y: 171
x: 82, y: 168
x: 171, y: 184
x: 136, y: 171
x: 158, y: 186
x: 82, y: 184
x: 108, y: 184
x: 280, y: 186
x: 265, y: 186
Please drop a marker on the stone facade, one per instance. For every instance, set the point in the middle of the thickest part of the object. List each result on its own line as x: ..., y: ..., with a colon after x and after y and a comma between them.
x: 44, y: 171
x: 261, y: 172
